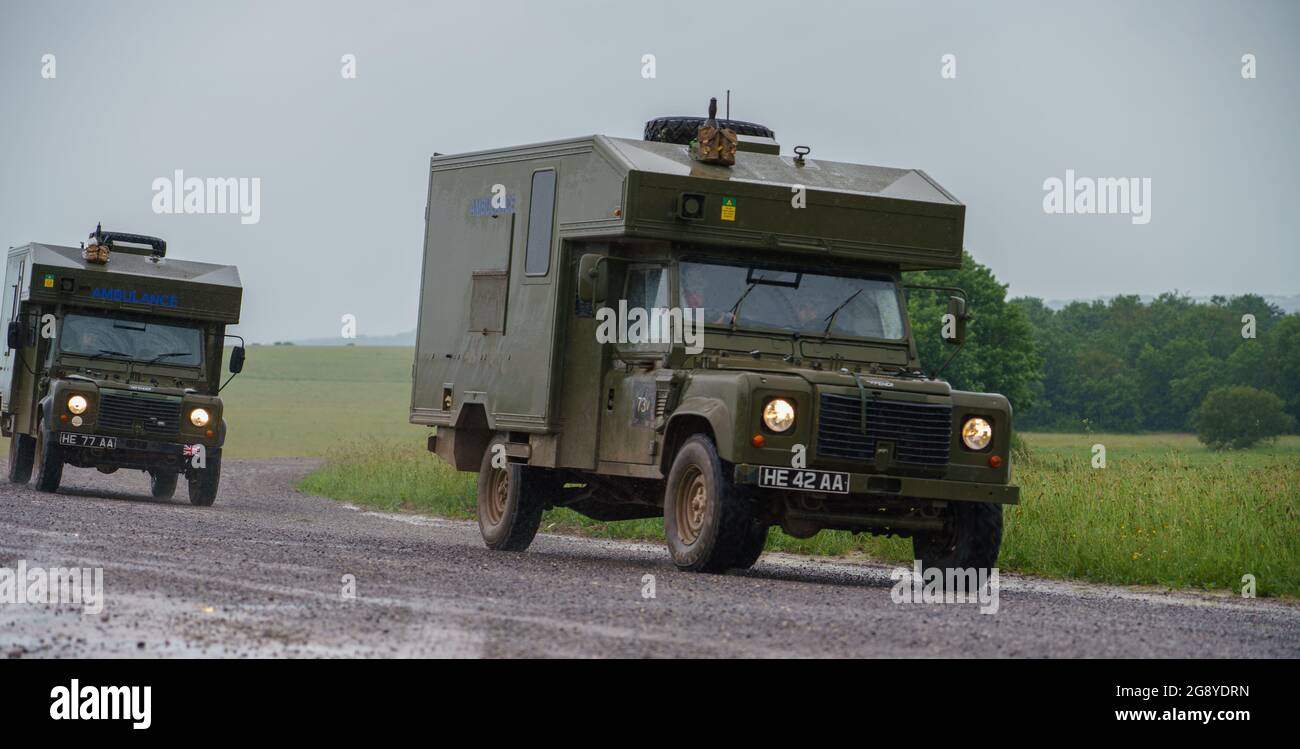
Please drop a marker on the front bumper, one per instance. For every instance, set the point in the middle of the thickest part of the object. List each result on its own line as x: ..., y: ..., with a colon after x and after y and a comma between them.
x: 128, y: 452
x: 908, y: 487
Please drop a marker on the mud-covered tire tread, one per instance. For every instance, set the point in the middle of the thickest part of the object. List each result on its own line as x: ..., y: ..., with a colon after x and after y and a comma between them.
x: 163, y: 485
x: 205, y: 484
x: 751, y: 546
x: 22, y: 454
x: 682, y: 130
x: 735, y: 514
x: 529, y: 503
x: 975, y: 541
x: 48, y: 462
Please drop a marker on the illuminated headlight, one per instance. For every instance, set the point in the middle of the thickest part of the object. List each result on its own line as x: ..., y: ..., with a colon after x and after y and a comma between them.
x: 77, y: 404
x: 976, y: 433
x: 199, y: 417
x: 778, y: 415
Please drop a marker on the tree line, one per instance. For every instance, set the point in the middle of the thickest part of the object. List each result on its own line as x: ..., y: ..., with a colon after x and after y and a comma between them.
x: 1119, y: 365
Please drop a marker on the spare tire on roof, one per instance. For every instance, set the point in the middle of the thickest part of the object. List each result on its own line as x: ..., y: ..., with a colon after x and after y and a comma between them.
x: 681, y: 130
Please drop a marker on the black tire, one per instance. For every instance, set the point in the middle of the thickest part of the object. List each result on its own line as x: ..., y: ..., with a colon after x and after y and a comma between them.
x: 970, y: 539
x: 708, y: 534
x: 751, y: 547
x: 682, y: 130
x: 22, y: 455
x: 511, y: 501
x: 204, y: 482
x: 162, y: 484
x: 47, y: 461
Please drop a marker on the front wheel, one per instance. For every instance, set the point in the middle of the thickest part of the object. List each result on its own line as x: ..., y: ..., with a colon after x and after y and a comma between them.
x: 162, y: 484
x: 205, y: 481
x: 22, y: 456
x: 48, y: 461
x: 706, y: 517
x: 751, y: 548
x: 970, y: 539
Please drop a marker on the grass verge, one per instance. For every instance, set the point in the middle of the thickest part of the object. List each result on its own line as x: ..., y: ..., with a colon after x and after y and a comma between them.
x: 1164, y: 511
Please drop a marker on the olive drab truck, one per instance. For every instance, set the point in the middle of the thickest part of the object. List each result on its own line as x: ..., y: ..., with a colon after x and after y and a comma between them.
x: 114, y: 360
x: 697, y: 326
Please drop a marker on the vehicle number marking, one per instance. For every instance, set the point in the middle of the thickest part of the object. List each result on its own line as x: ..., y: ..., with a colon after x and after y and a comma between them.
x: 831, y: 482
x: 87, y: 440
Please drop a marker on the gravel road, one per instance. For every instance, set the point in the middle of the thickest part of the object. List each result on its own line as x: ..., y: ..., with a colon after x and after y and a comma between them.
x: 261, y: 573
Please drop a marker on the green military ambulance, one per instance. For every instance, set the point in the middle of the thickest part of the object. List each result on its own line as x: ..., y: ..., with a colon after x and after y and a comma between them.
x: 624, y: 328
x: 114, y: 360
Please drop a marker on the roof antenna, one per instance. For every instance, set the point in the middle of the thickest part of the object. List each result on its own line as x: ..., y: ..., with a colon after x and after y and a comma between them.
x: 728, y: 103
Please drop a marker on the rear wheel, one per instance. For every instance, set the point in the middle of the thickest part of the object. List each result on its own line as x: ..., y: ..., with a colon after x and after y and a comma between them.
x: 162, y: 484
x: 205, y: 481
x: 22, y: 455
x: 48, y: 461
x: 706, y: 516
x: 511, y: 500
x: 970, y: 539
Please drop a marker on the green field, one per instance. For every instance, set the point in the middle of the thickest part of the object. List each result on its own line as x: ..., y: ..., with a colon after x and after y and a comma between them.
x: 302, y: 401
x: 1164, y: 511
x: 297, y: 400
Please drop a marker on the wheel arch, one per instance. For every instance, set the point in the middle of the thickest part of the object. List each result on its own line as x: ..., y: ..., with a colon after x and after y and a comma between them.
x: 709, y: 416
x: 463, y: 444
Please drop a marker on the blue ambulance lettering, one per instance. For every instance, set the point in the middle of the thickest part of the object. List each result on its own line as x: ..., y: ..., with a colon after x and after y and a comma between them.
x: 170, y: 301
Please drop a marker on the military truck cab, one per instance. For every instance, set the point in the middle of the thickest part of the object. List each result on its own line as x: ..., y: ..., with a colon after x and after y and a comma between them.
x: 114, y: 360
x: 630, y: 330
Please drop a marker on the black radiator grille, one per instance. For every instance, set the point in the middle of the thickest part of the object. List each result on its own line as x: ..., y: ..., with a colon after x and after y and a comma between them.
x: 921, y: 432
x: 122, y: 412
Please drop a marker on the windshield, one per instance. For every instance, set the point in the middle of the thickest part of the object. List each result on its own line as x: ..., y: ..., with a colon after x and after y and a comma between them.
x: 795, y: 301
x: 117, y: 338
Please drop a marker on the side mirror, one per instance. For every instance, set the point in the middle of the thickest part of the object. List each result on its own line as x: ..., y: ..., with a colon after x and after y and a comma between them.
x: 954, y: 322
x: 237, y: 360
x: 16, y: 336
x: 593, y: 278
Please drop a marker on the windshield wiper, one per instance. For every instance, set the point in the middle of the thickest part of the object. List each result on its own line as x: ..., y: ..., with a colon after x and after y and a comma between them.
x: 108, y: 352
x: 166, y: 356
x: 830, y: 319
x: 735, y: 308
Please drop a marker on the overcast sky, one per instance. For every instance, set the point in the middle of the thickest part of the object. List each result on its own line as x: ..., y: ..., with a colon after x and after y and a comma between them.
x: 1126, y: 89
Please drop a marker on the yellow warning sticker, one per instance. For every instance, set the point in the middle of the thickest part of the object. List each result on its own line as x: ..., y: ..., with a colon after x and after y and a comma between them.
x: 728, y: 209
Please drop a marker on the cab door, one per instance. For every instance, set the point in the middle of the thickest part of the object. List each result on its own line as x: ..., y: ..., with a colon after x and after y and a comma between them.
x: 628, y: 414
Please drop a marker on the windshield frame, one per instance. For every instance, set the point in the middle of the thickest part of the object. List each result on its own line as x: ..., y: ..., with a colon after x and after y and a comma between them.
x: 117, y: 317
x: 801, y: 270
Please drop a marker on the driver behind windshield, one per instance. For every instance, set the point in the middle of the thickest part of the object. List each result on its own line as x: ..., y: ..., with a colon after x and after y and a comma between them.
x: 806, y: 303
x: 107, y: 337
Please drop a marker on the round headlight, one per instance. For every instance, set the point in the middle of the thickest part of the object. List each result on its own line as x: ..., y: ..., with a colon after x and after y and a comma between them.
x: 778, y: 415
x: 199, y: 417
x: 77, y: 404
x: 976, y: 433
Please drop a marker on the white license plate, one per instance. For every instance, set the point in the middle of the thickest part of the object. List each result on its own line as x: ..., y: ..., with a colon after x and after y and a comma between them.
x: 87, y: 440
x: 799, y: 479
